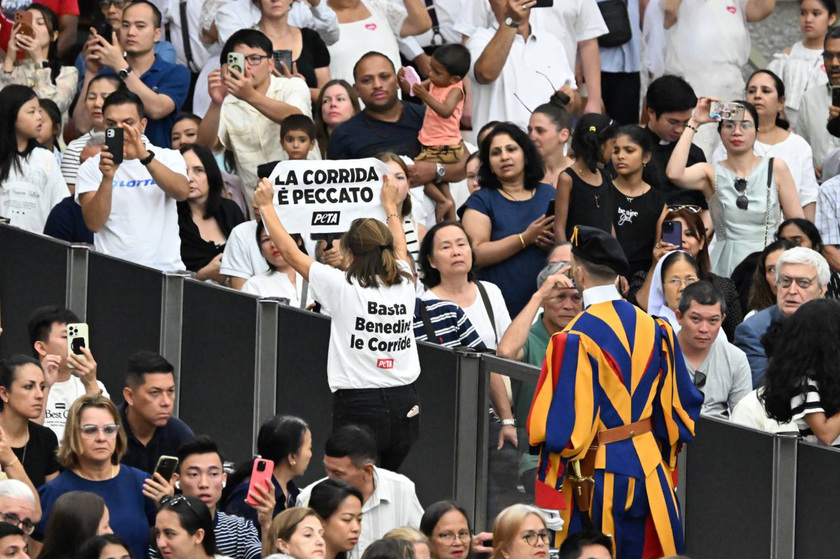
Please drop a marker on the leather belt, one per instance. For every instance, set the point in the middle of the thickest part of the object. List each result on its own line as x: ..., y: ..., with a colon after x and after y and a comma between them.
x: 625, y: 431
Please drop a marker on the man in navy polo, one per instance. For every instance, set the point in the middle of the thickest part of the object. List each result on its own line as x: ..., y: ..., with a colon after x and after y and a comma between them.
x: 161, y: 86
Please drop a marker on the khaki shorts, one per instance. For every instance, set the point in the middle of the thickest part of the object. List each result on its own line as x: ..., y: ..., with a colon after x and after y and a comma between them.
x: 441, y: 154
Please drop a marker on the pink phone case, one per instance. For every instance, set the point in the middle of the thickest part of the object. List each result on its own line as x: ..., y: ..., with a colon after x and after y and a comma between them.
x: 411, y: 77
x: 260, y: 475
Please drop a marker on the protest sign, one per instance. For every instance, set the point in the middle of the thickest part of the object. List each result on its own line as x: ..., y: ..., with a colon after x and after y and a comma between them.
x: 320, y: 197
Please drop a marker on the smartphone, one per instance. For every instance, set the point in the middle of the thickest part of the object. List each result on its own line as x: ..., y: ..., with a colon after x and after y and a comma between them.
x: 544, y: 4
x: 835, y: 96
x: 236, y: 60
x: 282, y: 56
x: 549, y: 212
x: 77, y: 338
x: 114, y: 141
x: 672, y: 232
x: 260, y: 475
x: 24, y: 20
x: 166, y: 466
x: 726, y: 111
x: 411, y: 78
x: 105, y: 30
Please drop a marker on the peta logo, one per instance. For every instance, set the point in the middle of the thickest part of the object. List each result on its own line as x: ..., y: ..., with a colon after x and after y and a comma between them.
x: 384, y: 363
x: 325, y: 218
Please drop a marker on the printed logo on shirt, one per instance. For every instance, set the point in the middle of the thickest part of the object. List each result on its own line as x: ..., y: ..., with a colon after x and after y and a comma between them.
x: 626, y: 216
x: 370, y: 26
x: 384, y: 363
x: 731, y: 9
x: 134, y: 183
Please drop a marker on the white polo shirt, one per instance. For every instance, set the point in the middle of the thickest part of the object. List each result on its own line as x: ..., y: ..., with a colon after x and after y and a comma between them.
x: 392, y: 504
x: 143, y: 224
x: 533, y: 71
x: 813, y: 117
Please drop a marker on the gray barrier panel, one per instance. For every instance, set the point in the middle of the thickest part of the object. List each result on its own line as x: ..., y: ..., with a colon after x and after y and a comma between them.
x: 729, y: 492
x: 817, y: 501
x: 302, y: 390
x: 33, y: 273
x: 124, y: 306
x: 218, y: 356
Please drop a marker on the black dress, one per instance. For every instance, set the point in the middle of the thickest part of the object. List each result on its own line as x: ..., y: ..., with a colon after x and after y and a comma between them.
x: 196, y: 253
x: 590, y: 205
x: 635, y: 225
x: 38, y: 455
x: 314, y: 54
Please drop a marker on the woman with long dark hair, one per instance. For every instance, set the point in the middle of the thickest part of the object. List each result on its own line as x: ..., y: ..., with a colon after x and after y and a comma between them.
x: 506, y: 219
x: 376, y: 291
x: 30, y: 178
x: 337, y: 102
x: 205, y: 218
x: 105, y: 546
x: 550, y: 128
x: 184, y: 529
x: 746, y: 192
x: 76, y: 517
x: 286, y: 441
x: 802, y: 382
x: 762, y: 292
x: 339, y: 505
x: 40, y: 67
x: 766, y: 92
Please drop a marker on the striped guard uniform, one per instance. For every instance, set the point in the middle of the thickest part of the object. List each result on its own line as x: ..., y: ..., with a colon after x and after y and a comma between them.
x: 614, y: 365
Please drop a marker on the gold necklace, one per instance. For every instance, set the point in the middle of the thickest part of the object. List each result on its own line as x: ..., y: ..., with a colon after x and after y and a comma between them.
x: 511, y: 197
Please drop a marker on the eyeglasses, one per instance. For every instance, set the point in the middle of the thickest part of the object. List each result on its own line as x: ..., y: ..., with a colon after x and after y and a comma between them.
x: 744, y: 125
x: 829, y: 56
x: 676, y: 282
x: 13, y: 519
x: 110, y: 430
x: 534, y: 538
x: 687, y: 207
x: 256, y: 59
x: 105, y: 4
x: 449, y: 537
x: 803, y: 283
x: 742, y: 202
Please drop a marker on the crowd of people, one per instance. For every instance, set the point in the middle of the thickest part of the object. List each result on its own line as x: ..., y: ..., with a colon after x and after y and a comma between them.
x: 565, y: 187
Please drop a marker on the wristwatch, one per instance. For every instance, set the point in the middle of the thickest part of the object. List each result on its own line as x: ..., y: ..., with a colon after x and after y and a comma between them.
x: 123, y: 74
x: 148, y: 158
x: 510, y: 22
x: 511, y: 422
x: 45, y: 64
x: 440, y: 170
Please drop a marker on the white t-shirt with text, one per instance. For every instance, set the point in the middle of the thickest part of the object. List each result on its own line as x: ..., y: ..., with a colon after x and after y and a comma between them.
x: 371, y: 335
x: 28, y: 195
x: 61, y: 397
x: 143, y: 224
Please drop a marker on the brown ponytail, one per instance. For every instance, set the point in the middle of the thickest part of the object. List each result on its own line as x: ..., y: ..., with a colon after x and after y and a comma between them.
x: 371, y: 245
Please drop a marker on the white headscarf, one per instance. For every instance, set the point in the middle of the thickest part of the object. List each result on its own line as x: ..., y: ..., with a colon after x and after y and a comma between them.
x: 657, y: 306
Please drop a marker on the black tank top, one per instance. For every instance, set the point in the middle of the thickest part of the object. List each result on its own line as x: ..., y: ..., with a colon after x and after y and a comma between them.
x: 589, y: 205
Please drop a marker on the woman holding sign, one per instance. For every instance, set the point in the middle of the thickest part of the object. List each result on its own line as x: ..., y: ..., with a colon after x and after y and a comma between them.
x: 372, y: 362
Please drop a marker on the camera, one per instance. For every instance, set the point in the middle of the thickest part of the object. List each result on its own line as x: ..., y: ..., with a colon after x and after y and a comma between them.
x: 726, y: 111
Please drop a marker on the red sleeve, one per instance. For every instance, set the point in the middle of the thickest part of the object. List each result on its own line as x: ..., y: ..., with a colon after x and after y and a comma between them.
x: 61, y: 7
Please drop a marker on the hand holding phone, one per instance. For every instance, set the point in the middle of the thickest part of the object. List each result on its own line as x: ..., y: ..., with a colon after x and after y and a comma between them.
x: 114, y: 141
x: 672, y: 232
x: 411, y: 78
x: 166, y: 466
x: 260, y: 476
x: 23, y: 21
x: 236, y: 61
x: 282, y: 57
x: 77, y: 338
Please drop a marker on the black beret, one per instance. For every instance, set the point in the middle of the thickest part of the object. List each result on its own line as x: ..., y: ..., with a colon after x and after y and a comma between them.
x: 599, y: 247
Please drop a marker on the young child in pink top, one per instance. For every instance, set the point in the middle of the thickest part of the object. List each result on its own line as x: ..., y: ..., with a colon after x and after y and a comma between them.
x: 443, y: 94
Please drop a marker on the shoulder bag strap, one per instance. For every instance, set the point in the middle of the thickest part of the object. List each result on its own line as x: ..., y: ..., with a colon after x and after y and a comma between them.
x: 488, y: 307
x: 767, y: 208
x: 185, y: 34
x: 427, y: 321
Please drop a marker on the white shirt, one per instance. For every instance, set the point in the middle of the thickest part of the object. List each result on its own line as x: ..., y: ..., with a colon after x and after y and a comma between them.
x: 275, y: 284
x: 571, y: 21
x: 813, y: 116
x: 750, y: 412
x: 446, y: 11
x: 253, y: 137
x: 600, y: 294
x: 171, y: 12
x: 371, y: 333
x: 244, y: 14
x: 61, y: 397
x: 477, y: 313
x: 392, y: 504
x: 242, y: 257
x: 143, y: 224
x: 533, y: 71
x: 794, y: 151
x: 28, y: 195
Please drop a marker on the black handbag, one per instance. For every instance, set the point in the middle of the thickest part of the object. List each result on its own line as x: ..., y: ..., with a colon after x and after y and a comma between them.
x: 617, y: 19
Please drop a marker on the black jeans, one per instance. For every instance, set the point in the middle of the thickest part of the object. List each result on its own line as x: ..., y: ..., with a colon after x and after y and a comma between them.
x: 621, y: 93
x: 385, y: 412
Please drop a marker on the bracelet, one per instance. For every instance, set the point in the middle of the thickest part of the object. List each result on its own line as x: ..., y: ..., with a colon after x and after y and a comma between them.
x: 10, y: 464
x: 522, y: 240
x: 508, y: 422
x: 389, y: 216
x: 690, y: 127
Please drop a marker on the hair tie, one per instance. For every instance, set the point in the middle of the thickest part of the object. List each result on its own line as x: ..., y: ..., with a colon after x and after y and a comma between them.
x: 593, y: 129
x: 386, y: 246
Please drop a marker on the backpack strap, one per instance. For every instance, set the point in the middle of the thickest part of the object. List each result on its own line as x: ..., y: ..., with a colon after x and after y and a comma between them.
x: 427, y: 321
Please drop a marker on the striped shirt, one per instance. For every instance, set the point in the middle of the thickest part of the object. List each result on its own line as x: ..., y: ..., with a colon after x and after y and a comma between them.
x: 236, y: 538
x: 70, y: 162
x: 412, y: 242
x: 828, y: 211
x: 451, y: 326
x: 805, y: 404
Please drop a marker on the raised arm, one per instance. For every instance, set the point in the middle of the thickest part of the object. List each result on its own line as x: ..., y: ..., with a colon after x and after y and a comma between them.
x: 758, y: 10
x: 418, y: 20
x: 393, y: 219
x: 264, y: 199
x: 671, y: 8
x: 699, y: 176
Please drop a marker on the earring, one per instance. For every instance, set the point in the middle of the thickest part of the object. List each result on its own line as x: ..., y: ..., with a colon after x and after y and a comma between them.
x: 177, y: 485
x: 224, y: 484
x: 293, y: 462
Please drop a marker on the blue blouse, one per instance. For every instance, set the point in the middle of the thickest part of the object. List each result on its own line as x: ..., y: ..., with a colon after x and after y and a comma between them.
x: 516, y: 276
